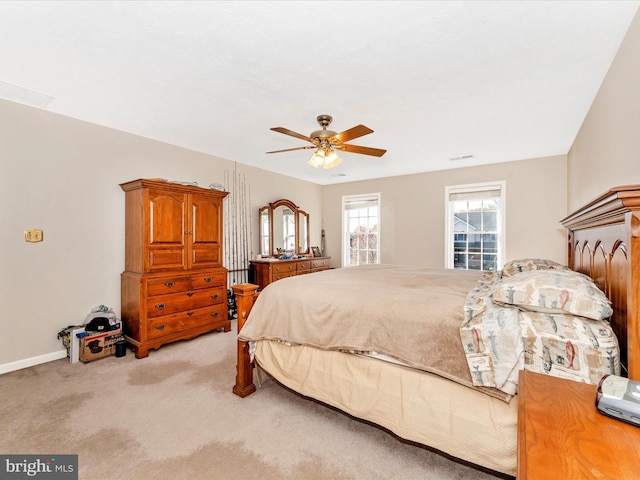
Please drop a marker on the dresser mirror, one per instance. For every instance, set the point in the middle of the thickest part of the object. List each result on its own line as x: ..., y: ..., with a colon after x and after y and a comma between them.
x: 284, y: 229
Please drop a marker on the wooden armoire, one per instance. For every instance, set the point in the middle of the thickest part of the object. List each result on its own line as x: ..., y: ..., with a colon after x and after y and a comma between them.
x: 174, y: 286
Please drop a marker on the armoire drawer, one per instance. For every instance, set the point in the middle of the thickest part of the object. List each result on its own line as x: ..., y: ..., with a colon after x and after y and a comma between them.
x: 166, y: 285
x: 177, y: 302
x: 208, y: 279
x: 177, y: 322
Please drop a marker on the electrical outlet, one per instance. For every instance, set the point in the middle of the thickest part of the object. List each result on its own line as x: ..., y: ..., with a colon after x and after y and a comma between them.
x: 33, y: 235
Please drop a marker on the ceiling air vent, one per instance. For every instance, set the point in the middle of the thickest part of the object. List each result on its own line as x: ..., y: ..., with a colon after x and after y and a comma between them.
x: 463, y: 157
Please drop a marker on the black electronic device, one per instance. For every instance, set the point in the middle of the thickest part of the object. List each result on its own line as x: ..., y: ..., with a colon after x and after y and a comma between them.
x: 619, y: 397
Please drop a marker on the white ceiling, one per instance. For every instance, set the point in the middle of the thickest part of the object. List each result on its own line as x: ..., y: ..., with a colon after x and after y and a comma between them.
x: 501, y: 81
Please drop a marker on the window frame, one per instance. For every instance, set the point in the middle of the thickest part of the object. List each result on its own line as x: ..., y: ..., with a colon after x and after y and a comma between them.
x: 345, y: 240
x: 501, y: 221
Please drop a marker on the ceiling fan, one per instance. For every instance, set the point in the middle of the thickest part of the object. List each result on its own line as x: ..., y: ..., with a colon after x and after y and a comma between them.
x: 327, y: 141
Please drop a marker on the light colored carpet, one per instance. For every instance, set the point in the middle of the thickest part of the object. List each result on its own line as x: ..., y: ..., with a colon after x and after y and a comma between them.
x: 173, y: 416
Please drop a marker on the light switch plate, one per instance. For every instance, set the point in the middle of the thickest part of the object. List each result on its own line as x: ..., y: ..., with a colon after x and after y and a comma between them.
x: 33, y: 235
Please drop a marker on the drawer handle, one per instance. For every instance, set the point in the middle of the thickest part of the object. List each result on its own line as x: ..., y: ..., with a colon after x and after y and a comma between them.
x: 160, y: 327
x: 160, y: 306
x: 169, y: 284
x: 189, y: 294
x: 208, y: 279
x: 189, y: 314
x: 215, y: 314
x: 215, y: 296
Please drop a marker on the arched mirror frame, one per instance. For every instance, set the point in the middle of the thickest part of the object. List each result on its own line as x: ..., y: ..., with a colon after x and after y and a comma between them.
x: 301, y: 228
x: 303, y: 232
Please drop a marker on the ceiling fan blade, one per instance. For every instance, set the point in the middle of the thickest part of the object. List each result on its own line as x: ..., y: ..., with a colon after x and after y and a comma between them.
x: 376, y: 152
x: 355, y: 132
x: 286, y: 131
x: 291, y: 149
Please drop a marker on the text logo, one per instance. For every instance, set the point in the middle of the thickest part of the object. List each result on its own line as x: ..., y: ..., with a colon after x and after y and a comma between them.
x: 43, y: 467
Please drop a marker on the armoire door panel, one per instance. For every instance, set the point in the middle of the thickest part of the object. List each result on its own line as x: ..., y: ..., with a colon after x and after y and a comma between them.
x: 166, y: 217
x: 205, y: 220
x: 204, y: 257
x: 166, y: 258
x: 205, y: 232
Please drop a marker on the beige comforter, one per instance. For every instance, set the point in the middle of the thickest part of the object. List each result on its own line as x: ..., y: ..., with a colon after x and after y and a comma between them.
x: 408, y: 313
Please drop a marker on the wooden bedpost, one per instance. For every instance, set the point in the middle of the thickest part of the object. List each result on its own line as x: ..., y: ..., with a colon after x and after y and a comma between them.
x: 246, y: 294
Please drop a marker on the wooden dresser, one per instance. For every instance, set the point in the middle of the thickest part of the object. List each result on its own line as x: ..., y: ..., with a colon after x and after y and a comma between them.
x: 267, y: 271
x: 174, y: 286
x: 562, y: 435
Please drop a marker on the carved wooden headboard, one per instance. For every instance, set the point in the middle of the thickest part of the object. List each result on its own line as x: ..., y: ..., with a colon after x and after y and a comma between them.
x: 604, y: 242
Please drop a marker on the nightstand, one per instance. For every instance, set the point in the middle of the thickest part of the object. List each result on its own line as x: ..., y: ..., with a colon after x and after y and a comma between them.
x: 561, y: 434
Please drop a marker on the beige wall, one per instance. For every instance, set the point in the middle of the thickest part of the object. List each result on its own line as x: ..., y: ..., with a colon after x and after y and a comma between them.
x: 606, y: 151
x: 413, y: 211
x: 62, y: 176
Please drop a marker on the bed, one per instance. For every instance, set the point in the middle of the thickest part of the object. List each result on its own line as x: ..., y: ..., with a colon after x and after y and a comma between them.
x: 433, y: 401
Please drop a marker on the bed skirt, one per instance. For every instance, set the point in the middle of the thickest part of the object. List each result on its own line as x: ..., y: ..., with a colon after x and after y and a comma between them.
x: 417, y: 406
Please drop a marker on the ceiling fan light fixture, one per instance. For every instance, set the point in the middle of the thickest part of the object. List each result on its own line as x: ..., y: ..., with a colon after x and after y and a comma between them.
x: 317, y: 160
x: 331, y: 160
x: 324, y: 157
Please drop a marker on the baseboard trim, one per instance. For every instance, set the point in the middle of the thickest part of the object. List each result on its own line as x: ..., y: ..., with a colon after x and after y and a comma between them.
x: 30, y: 362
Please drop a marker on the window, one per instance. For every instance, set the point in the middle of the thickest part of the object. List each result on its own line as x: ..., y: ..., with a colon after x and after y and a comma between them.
x: 289, y: 230
x: 475, y: 226
x: 361, y: 229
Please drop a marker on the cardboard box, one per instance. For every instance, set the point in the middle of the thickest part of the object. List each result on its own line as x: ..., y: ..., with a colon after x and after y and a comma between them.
x: 99, y: 345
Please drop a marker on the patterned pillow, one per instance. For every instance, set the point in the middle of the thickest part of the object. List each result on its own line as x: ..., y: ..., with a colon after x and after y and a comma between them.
x: 554, y: 291
x: 569, y: 347
x: 528, y: 264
